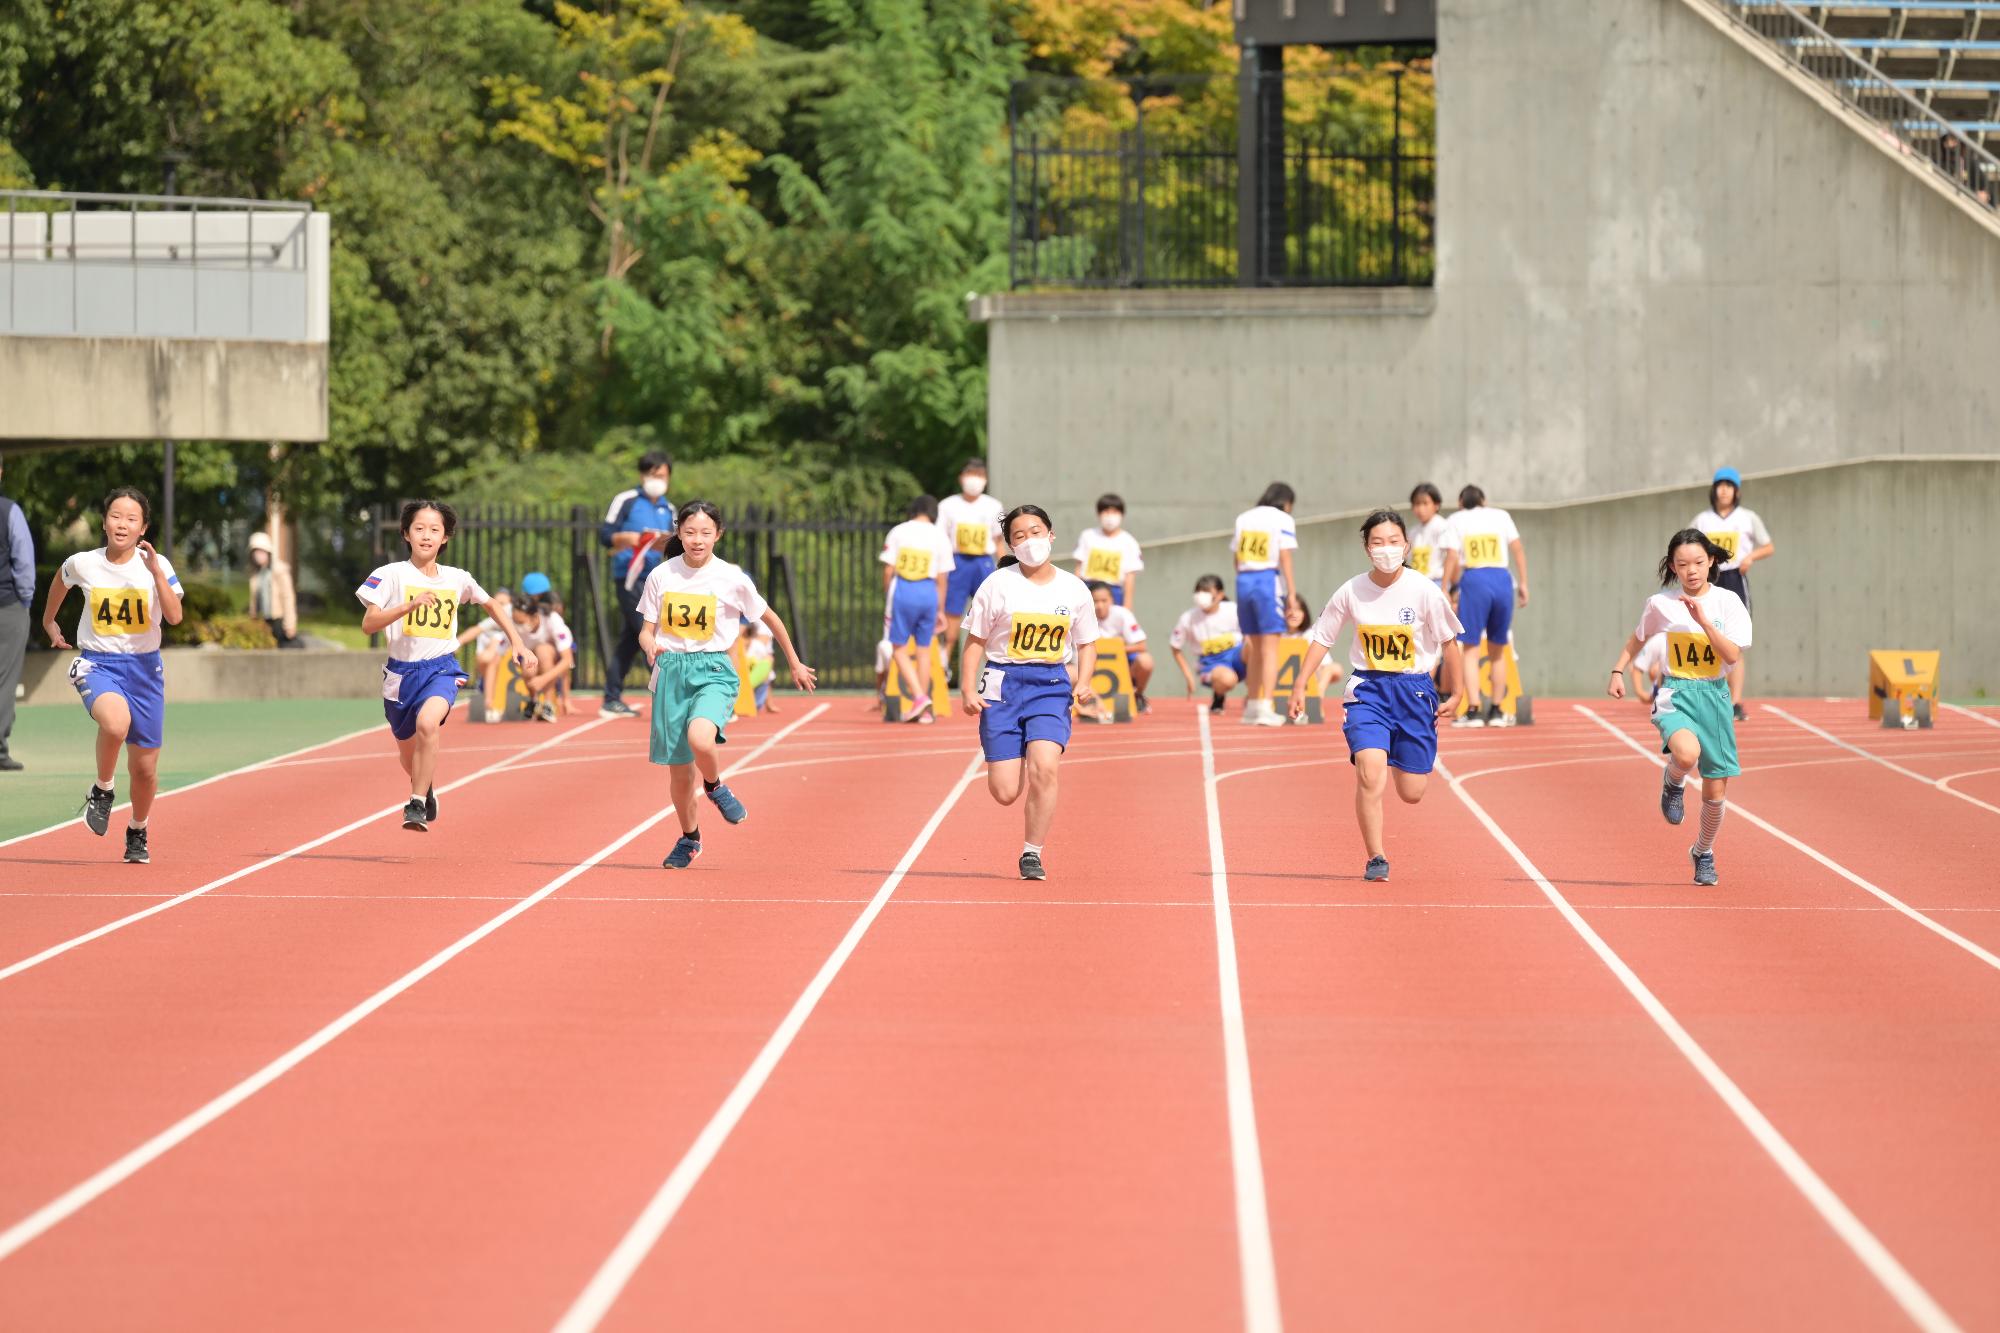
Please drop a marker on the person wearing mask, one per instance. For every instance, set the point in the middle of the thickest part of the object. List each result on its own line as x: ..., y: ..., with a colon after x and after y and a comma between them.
x: 1743, y: 535
x: 17, y: 589
x: 971, y: 519
x: 635, y: 531
x: 1108, y: 554
x: 272, y: 598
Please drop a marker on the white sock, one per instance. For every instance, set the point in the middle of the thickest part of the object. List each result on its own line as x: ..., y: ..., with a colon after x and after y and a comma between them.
x: 137, y: 824
x: 1675, y: 773
x: 1034, y: 847
x: 102, y: 786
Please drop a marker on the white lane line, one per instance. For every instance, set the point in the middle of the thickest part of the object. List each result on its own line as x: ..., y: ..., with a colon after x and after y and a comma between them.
x: 1984, y: 955
x: 1975, y: 715
x: 1259, y: 1267
x: 79, y: 1196
x: 1890, y: 764
x: 605, y: 1286
x: 1918, y: 1304
x: 57, y: 950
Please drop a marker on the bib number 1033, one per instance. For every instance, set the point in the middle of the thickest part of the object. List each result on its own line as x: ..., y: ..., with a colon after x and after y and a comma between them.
x: 437, y: 619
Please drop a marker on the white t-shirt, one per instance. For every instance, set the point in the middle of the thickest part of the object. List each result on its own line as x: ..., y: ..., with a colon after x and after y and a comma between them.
x: 1207, y: 632
x: 1427, y: 548
x: 1741, y: 531
x: 1121, y: 624
x: 1689, y: 656
x: 918, y: 551
x: 1652, y: 653
x: 1260, y: 534
x: 424, y: 632
x: 119, y: 615
x: 760, y: 643
x: 1108, y: 556
x: 551, y: 631
x: 698, y: 610
x: 1023, y: 621
x: 492, y: 639
x: 1480, y: 536
x: 972, y: 526
x: 1401, y: 628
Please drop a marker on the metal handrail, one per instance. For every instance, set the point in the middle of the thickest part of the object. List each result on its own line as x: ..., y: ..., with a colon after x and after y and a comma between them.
x: 163, y: 200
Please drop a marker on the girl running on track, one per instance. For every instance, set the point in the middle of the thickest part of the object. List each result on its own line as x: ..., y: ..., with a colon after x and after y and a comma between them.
x: 1427, y: 532
x: 1477, y: 540
x: 416, y: 602
x: 1118, y: 622
x: 1264, y: 541
x: 971, y: 519
x: 1707, y: 629
x: 693, y: 606
x: 1108, y: 554
x: 1030, y: 649
x: 916, y: 575
x: 129, y: 591
x: 1743, y: 535
x: 1210, y: 629
x: 1403, y: 628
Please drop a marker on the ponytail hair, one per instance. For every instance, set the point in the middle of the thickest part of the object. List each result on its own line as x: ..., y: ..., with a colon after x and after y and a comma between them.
x: 682, y: 515
x: 1023, y: 511
x: 1278, y: 496
x: 1690, y: 537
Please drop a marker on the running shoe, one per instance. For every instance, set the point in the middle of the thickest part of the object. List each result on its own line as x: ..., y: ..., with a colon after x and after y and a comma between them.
x: 1216, y: 704
x: 725, y: 801
x: 1141, y: 703
x: 920, y: 711
x: 545, y: 713
x: 1031, y: 866
x: 683, y: 855
x: 618, y: 708
x: 1273, y: 718
x: 1495, y: 718
x: 1471, y: 717
x: 135, y: 847
x: 414, y: 818
x: 97, y: 810
x: 430, y: 805
x: 1704, y: 867
x: 1377, y: 871
x: 9, y: 764
x: 1673, y: 801
x: 1741, y: 716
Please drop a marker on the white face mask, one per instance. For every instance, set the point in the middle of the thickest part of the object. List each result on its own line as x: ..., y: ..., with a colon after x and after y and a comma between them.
x: 1388, y: 559
x: 1111, y: 520
x: 1034, y: 552
x: 654, y: 487
x: 1205, y: 600
x: 971, y: 485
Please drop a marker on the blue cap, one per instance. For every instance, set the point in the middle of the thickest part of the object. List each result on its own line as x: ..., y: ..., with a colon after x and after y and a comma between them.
x: 1728, y: 474
x: 534, y: 585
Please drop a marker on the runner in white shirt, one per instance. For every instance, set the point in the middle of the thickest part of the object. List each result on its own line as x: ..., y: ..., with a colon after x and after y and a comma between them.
x: 1403, y: 630
x: 1108, y: 554
x: 1743, y: 535
x: 1209, y: 630
x: 917, y: 561
x: 1706, y: 628
x: 129, y: 591
x: 1477, y: 541
x: 971, y: 520
x: 1118, y: 622
x: 760, y: 661
x: 1262, y: 547
x: 1427, y: 529
x: 414, y: 604
x: 1030, y: 649
x: 693, y: 605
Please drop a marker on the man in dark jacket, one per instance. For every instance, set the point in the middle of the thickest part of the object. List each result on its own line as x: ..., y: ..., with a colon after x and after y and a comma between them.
x: 635, y: 528
x: 17, y: 590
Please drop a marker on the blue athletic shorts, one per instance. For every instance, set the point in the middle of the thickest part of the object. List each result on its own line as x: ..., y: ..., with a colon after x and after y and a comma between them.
x: 1394, y: 711
x: 913, y: 612
x: 140, y: 679
x: 1233, y: 659
x: 1118, y: 593
x: 1485, y: 605
x: 1034, y: 705
x: 1260, y: 602
x: 406, y: 685
x: 964, y: 580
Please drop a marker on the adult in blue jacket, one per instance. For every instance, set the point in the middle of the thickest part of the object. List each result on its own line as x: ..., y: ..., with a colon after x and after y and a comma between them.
x: 17, y: 590
x: 635, y: 528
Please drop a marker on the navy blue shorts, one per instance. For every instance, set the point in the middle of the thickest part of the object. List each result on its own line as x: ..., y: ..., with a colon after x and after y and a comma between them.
x: 1485, y: 606
x: 1260, y: 602
x: 964, y: 580
x: 1394, y: 711
x: 1034, y: 704
x: 1233, y: 659
x: 406, y: 685
x: 140, y: 679
x: 913, y: 612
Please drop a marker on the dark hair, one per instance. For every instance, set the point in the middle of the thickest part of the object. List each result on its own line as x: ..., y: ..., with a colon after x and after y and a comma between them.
x: 1110, y: 501
x: 1471, y: 497
x: 1278, y: 496
x: 654, y: 458
x: 130, y: 493
x: 922, y: 507
x: 1426, y: 491
x: 1212, y: 581
x: 411, y: 508
x: 1690, y: 537
x: 1303, y: 604
x: 1023, y: 511
x: 686, y: 512
x: 1378, y: 518
x: 1736, y: 486
x: 973, y: 465
x: 1096, y: 586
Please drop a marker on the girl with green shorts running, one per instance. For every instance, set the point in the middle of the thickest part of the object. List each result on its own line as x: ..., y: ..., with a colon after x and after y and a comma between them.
x: 693, y: 605
x: 1707, y: 629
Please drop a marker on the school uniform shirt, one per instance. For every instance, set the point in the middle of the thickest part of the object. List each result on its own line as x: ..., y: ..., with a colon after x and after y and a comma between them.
x: 1121, y: 624
x: 1021, y: 621
x: 1427, y: 548
x: 918, y: 551
x: 1260, y: 534
x: 1741, y: 532
x: 1108, y: 556
x: 699, y: 610
x: 424, y: 632
x: 760, y: 645
x: 120, y: 614
x: 492, y: 639
x: 552, y: 631
x: 972, y: 526
x: 1480, y: 536
x: 1207, y: 632
x: 1689, y: 653
x: 1401, y: 628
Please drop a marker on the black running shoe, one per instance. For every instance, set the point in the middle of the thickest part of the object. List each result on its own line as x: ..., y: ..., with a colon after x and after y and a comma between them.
x: 135, y: 847
x: 1493, y: 716
x: 1377, y: 871
x: 1673, y: 801
x: 97, y: 810
x: 618, y: 708
x: 1031, y: 866
x: 1141, y: 704
x: 9, y: 764
x: 1215, y: 704
x: 430, y: 805
x: 414, y: 818
x: 1741, y: 716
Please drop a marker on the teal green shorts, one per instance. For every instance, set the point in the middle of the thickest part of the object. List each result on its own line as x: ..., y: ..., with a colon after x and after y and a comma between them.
x: 687, y: 686
x: 1703, y: 707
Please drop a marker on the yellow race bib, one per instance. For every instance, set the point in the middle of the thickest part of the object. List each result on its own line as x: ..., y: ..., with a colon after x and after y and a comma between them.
x: 120, y: 611
x: 1103, y: 564
x: 689, y: 616
x: 1726, y: 540
x: 1482, y: 551
x: 1420, y: 560
x: 1387, y: 647
x: 1038, y: 638
x: 439, y: 620
x: 972, y: 538
x: 1253, y: 548
x: 912, y: 563
x: 1220, y: 643
x: 1691, y: 656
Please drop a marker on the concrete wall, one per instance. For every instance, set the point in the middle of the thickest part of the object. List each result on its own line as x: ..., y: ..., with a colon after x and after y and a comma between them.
x: 202, y: 675
x: 68, y: 388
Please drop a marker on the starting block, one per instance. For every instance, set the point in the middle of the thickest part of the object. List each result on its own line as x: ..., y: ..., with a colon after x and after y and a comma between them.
x: 1518, y: 704
x: 746, y: 697
x: 892, y: 694
x: 1902, y: 686
x: 514, y: 703
x: 1291, y: 660
x: 1111, y: 680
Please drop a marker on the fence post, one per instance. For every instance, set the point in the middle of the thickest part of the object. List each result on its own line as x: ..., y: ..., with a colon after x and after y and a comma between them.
x: 1396, y: 183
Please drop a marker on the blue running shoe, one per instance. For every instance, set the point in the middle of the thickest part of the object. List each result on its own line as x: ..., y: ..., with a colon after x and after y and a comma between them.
x: 1377, y: 871
x: 1673, y: 801
x: 725, y: 801
x: 683, y: 854
x: 1704, y: 867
